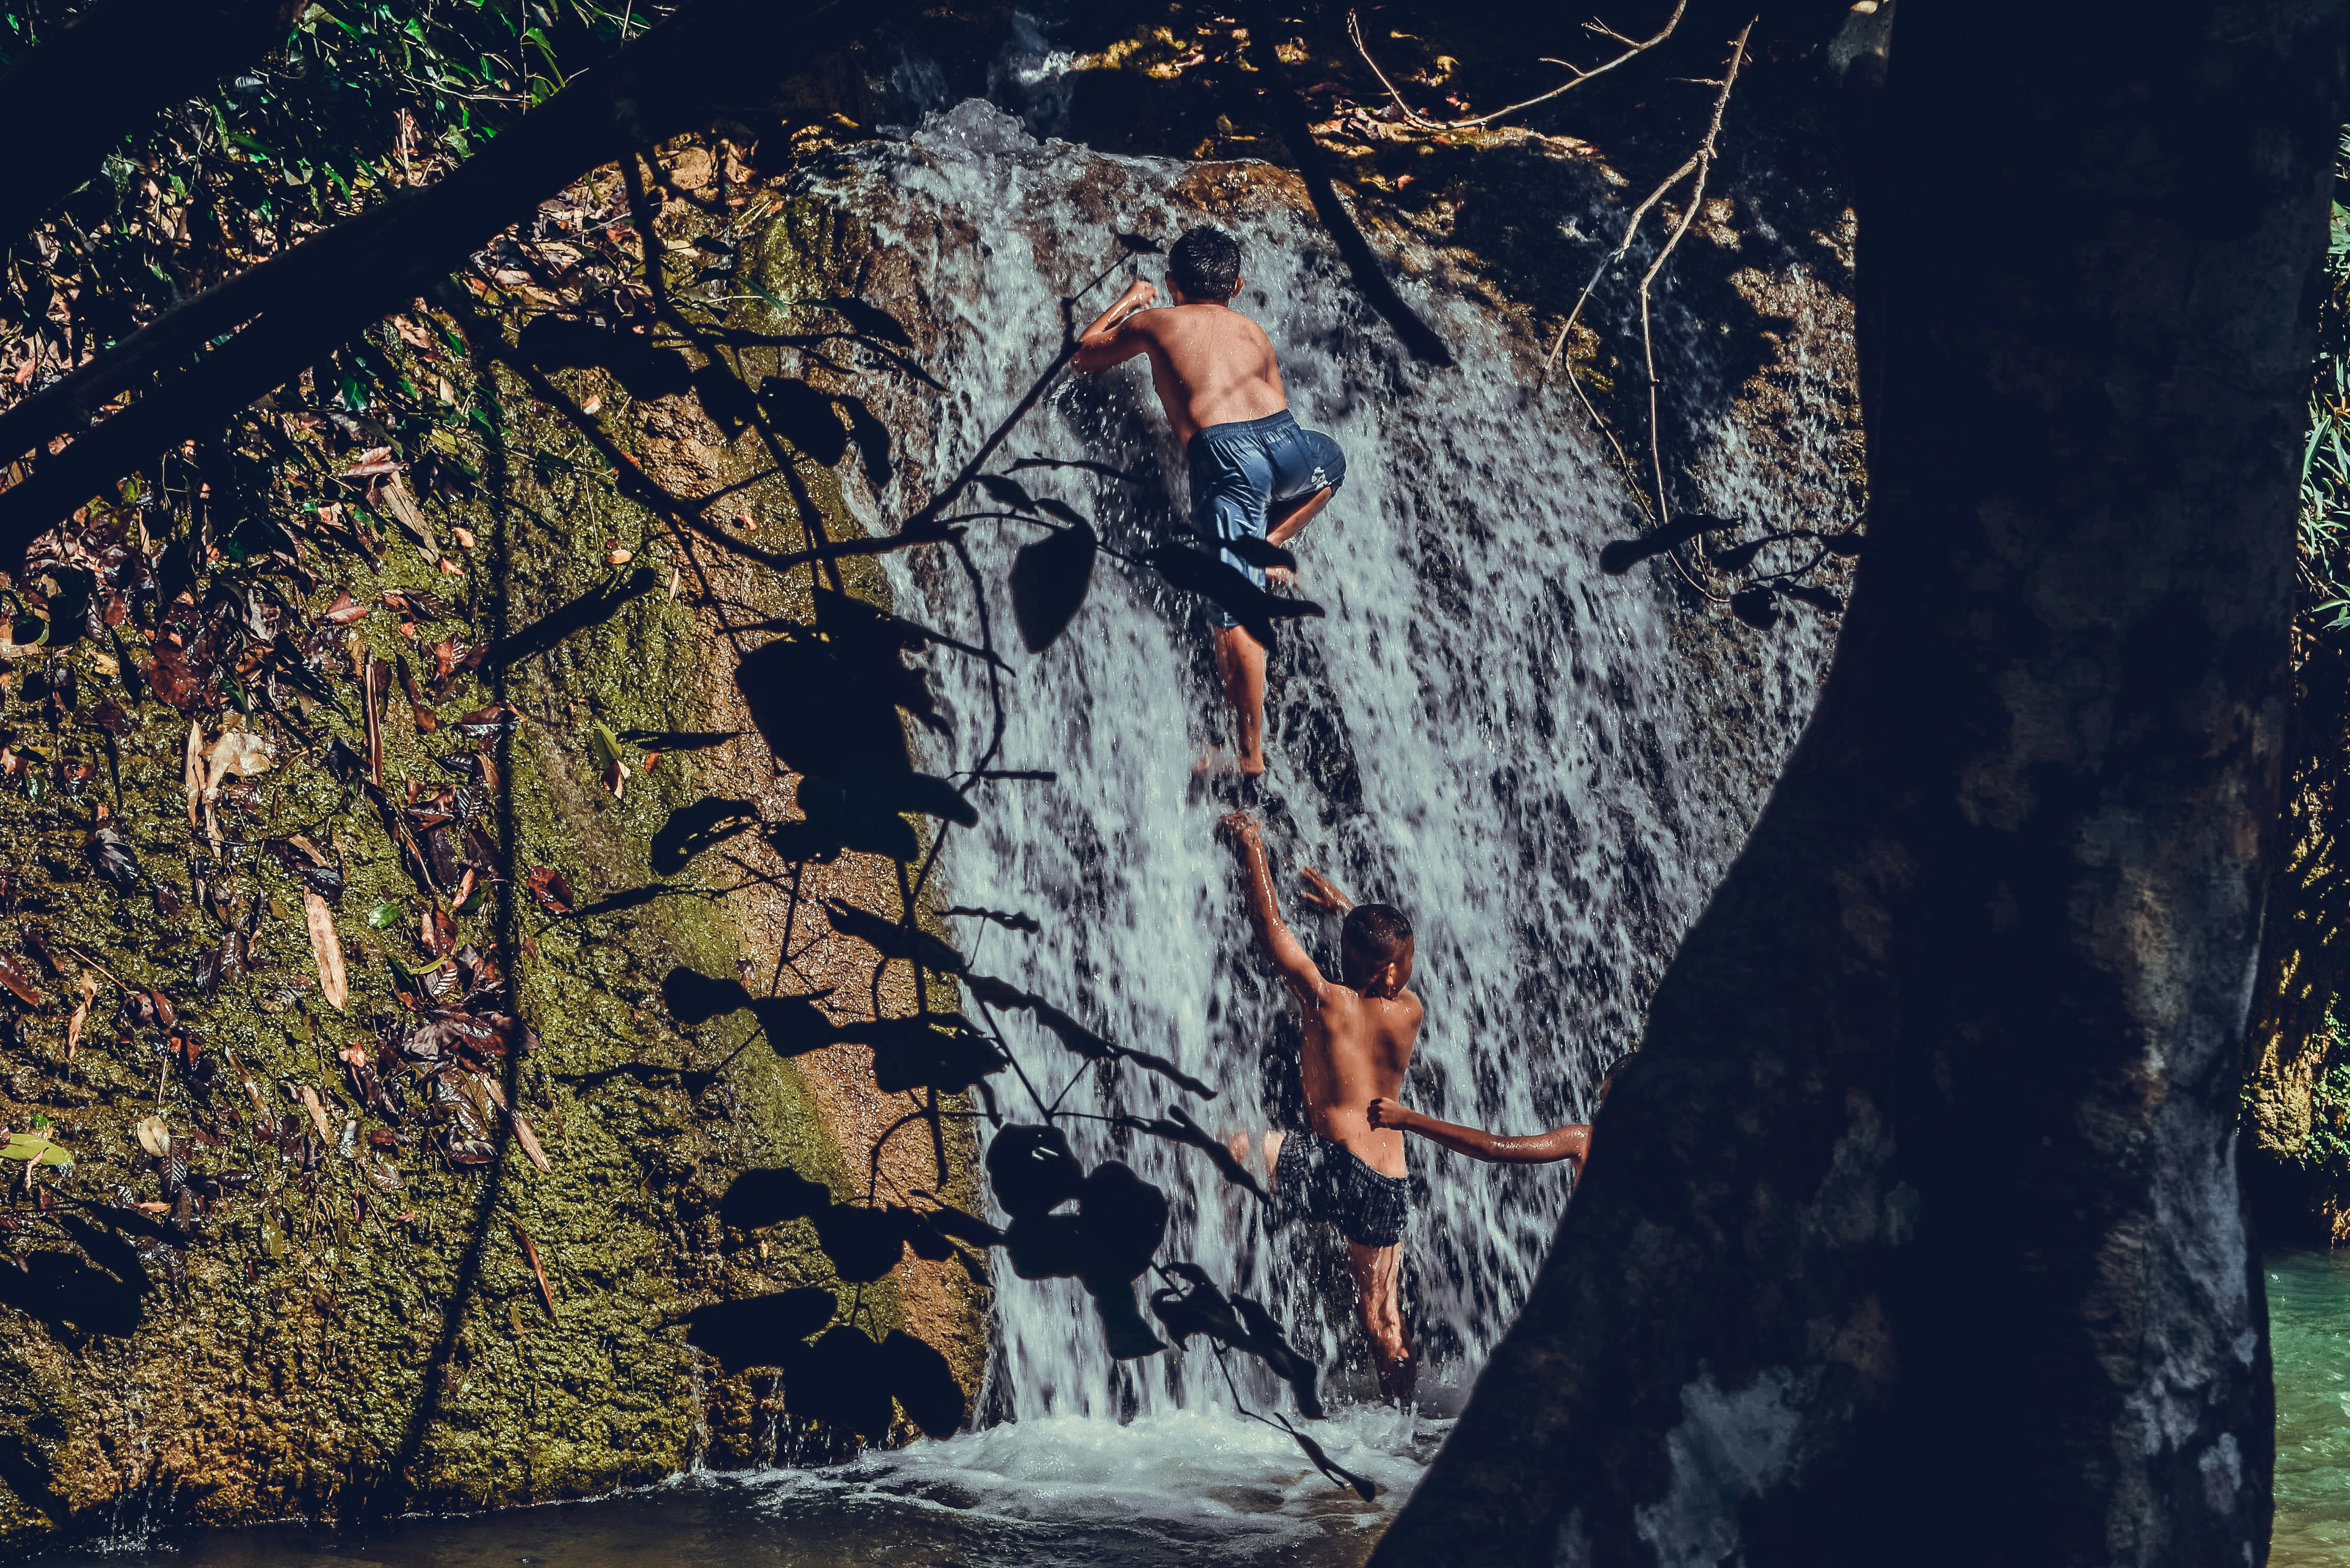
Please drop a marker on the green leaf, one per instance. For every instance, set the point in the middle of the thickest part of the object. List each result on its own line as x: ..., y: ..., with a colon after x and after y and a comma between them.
x: 383, y: 916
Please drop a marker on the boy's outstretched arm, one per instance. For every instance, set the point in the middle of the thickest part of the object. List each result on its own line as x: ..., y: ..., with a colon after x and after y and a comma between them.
x: 1572, y: 1144
x: 1108, y: 341
x: 1287, y: 953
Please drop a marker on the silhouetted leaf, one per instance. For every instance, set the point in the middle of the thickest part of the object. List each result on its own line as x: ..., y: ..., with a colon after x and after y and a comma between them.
x: 913, y: 1053
x: 868, y: 320
x: 872, y: 439
x: 759, y: 1330
x: 1195, y: 571
x: 1076, y: 1035
x: 1031, y: 1169
x: 892, y: 939
x: 821, y: 714
x: 1126, y: 1333
x: 723, y: 397
x: 1049, y: 579
x: 804, y: 417
x: 1738, y: 558
x: 1758, y: 607
x: 1121, y: 1220
x: 1140, y: 244
x: 1177, y: 1127
x: 1010, y: 919
x: 1261, y: 553
x: 1202, y: 1310
x: 692, y: 997
x: 888, y: 793
x: 841, y: 1379
x: 757, y: 1199
x: 1266, y: 1343
x: 1006, y: 491
x: 950, y: 1220
x: 1332, y: 1468
x: 1621, y: 556
x: 1044, y: 1246
x: 1064, y: 511
x: 1848, y: 543
x: 925, y: 1385
x: 1812, y: 594
x: 701, y: 825
x: 864, y: 1244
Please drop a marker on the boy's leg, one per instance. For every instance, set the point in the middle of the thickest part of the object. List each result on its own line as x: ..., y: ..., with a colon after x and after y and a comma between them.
x: 1379, y: 1292
x: 1239, y: 664
x: 1287, y: 517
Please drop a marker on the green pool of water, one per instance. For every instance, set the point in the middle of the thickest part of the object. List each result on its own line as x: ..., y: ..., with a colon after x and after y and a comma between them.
x: 2309, y: 1328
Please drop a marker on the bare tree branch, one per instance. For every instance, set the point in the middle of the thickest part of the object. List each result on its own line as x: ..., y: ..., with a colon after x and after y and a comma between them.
x: 1695, y: 169
x: 1633, y: 48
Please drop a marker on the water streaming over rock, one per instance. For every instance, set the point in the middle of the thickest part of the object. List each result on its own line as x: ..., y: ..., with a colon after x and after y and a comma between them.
x: 1524, y: 754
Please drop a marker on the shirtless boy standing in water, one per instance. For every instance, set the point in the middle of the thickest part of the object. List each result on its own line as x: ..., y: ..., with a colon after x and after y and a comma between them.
x: 1253, y: 471
x: 1359, y: 1035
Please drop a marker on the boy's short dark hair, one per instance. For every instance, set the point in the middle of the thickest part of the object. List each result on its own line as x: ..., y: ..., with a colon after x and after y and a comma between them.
x: 1205, y: 263
x: 1374, y: 937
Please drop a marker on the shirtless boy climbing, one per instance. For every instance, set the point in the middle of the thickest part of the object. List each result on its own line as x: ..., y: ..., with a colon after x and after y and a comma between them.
x: 1359, y: 1033
x: 1253, y: 471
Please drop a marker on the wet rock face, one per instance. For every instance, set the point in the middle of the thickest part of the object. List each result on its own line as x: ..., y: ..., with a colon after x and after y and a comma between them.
x: 321, y: 1300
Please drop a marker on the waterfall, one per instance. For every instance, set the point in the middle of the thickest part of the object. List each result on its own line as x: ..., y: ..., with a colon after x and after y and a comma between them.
x: 1520, y: 751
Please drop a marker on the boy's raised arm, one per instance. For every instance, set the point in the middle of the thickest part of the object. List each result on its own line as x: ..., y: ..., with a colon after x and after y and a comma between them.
x: 1287, y: 953
x: 1108, y: 342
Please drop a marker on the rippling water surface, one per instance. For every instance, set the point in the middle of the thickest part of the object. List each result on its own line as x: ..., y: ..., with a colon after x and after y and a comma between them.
x: 1193, y: 1487
x: 2309, y: 1328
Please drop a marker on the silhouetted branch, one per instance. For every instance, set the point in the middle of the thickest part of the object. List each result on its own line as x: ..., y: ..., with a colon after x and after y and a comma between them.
x: 1313, y: 166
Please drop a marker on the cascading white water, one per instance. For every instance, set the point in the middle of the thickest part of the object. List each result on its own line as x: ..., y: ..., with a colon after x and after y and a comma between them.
x: 1485, y: 730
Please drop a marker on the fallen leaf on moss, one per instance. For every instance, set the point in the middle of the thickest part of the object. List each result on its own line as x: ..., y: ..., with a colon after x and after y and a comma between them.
x: 154, y: 1135
x: 13, y: 976
x: 80, y: 1014
x: 328, y: 947
x: 553, y: 892
x: 311, y: 1103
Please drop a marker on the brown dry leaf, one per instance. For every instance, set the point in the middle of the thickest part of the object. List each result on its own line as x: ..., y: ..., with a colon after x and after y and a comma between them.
x: 616, y: 777
x: 402, y: 509
x: 592, y: 406
x: 327, y: 945
x: 530, y: 1251
x: 318, y: 1109
x: 193, y: 770
x: 529, y: 1141
x: 80, y: 1014
x: 154, y: 1135
x: 412, y: 334
x: 13, y: 976
x: 620, y: 558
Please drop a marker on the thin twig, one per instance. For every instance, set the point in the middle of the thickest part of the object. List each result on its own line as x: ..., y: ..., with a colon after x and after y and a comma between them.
x: 1695, y: 169
x: 1413, y: 117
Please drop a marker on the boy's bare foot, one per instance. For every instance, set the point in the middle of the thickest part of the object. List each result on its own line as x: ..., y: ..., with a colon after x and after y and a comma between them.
x: 1222, y: 764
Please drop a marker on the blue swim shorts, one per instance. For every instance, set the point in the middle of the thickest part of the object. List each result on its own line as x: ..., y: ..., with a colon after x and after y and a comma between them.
x: 1241, y: 472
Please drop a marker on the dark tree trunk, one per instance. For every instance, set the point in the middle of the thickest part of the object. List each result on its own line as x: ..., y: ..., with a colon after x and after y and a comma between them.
x: 1913, y: 1233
